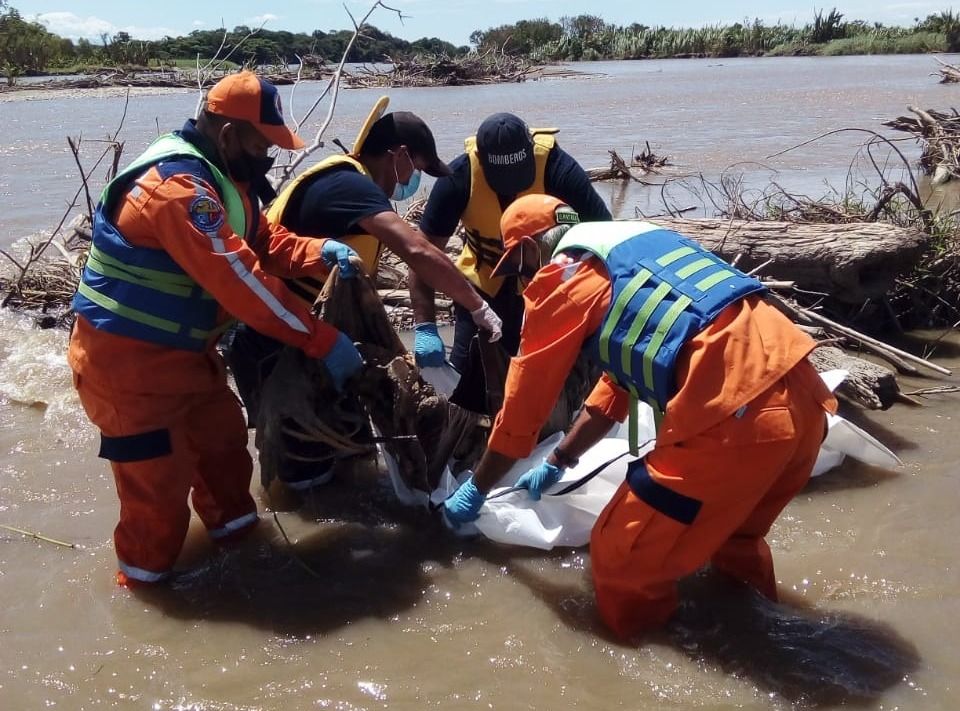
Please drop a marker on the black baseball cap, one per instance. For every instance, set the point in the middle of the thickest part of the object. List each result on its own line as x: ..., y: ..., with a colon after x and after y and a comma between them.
x: 505, y: 149
x: 408, y: 129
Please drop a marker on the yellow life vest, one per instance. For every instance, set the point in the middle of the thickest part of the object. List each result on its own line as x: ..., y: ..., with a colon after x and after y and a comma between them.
x: 483, y: 246
x: 366, y: 246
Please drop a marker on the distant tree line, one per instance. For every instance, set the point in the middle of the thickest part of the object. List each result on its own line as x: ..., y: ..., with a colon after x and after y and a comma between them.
x: 589, y: 37
x: 29, y: 48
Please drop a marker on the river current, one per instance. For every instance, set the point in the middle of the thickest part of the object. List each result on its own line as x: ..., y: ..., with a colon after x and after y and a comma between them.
x: 352, y: 602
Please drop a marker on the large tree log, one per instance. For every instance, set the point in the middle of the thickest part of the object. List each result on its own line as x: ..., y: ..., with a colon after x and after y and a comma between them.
x: 852, y: 262
x: 870, y: 385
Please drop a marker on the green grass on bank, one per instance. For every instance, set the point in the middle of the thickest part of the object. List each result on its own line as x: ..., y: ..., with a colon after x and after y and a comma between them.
x: 153, y: 66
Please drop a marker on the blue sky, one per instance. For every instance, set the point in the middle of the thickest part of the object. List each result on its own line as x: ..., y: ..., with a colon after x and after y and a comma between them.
x: 452, y: 20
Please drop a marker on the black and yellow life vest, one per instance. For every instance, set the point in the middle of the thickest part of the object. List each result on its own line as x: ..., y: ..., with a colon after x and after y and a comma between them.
x: 481, y: 219
x: 366, y: 246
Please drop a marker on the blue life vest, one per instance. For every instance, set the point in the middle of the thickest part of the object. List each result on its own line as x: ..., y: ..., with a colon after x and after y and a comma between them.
x: 141, y: 292
x: 666, y: 289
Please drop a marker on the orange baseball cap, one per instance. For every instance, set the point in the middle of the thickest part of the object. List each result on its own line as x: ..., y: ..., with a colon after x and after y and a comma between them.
x: 531, y: 217
x: 246, y: 97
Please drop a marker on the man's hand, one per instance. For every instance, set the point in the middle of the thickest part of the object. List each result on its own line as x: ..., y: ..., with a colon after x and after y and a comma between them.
x: 485, y: 318
x: 428, y: 348
x: 336, y: 253
x: 539, y: 478
x: 342, y: 361
x: 463, y: 505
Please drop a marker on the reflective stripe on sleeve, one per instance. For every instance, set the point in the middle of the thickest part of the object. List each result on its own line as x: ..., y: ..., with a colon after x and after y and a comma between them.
x: 250, y: 280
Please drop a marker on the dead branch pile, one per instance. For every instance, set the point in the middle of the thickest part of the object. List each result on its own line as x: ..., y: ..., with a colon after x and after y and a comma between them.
x: 921, y: 286
x: 949, y: 73
x: 644, y: 162
x: 940, y: 135
x: 489, y: 67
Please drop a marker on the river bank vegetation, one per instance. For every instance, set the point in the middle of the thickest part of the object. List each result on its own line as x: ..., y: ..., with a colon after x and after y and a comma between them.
x: 29, y: 48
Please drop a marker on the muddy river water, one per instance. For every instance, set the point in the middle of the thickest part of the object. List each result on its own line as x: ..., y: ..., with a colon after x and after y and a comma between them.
x: 347, y: 601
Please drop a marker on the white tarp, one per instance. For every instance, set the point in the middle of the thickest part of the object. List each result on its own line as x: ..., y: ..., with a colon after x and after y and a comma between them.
x: 566, y: 520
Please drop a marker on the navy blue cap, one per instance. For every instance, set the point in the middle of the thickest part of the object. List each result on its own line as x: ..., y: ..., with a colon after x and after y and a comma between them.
x: 505, y: 149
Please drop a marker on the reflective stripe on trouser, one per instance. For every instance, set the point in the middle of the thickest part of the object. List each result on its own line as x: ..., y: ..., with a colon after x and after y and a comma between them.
x: 165, y: 449
x: 711, y: 498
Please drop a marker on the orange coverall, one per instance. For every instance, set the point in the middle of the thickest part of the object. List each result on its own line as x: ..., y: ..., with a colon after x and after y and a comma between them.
x: 740, y: 436
x: 178, y: 401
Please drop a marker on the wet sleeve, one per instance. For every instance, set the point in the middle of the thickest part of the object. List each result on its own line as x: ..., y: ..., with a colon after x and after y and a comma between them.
x: 448, y: 201
x: 186, y: 218
x: 557, y: 321
x: 608, y: 399
x: 567, y: 180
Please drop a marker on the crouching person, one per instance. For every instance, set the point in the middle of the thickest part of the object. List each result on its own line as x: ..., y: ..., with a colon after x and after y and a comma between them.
x: 740, y: 410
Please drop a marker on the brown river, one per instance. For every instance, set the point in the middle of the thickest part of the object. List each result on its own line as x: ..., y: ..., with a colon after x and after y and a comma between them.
x: 350, y: 602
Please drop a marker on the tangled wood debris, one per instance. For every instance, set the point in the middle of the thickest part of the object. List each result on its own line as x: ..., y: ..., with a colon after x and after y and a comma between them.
x: 949, y: 73
x: 940, y: 134
x: 645, y: 162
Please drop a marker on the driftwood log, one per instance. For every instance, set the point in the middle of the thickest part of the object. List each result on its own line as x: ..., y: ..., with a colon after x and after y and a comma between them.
x: 868, y: 384
x: 852, y: 262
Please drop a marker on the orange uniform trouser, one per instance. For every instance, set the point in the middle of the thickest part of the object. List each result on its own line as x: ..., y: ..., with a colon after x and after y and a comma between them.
x: 161, y: 447
x: 711, y: 498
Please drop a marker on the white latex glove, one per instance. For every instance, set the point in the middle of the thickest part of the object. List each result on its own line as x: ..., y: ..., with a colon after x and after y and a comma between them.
x: 486, y: 319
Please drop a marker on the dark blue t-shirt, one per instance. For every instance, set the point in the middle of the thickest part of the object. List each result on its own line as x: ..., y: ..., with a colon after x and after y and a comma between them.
x: 563, y: 179
x: 333, y: 202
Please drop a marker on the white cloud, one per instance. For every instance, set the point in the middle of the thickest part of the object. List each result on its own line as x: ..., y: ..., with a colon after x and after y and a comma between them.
x: 68, y: 24
x: 259, y: 20
x: 198, y: 23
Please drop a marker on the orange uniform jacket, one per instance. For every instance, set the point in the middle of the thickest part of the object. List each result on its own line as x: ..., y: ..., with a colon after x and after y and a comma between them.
x: 747, y: 348
x: 155, y: 213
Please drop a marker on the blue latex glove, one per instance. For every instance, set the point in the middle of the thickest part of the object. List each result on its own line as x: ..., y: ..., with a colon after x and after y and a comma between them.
x: 539, y: 478
x: 463, y: 505
x: 342, y: 361
x: 428, y: 349
x: 336, y: 253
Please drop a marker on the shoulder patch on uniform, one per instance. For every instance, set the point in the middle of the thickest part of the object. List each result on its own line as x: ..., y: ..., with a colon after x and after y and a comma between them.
x: 206, y: 213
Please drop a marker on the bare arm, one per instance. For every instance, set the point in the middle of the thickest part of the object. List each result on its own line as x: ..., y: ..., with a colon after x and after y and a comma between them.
x: 422, y: 295
x: 426, y: 260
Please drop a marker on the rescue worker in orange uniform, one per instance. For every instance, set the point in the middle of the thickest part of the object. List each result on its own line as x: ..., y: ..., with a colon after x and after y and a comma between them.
x: 180, y: 247
x: 740, y: 409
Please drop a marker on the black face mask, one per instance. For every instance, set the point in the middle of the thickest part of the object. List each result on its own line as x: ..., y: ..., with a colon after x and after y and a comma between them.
x: 248, y: 168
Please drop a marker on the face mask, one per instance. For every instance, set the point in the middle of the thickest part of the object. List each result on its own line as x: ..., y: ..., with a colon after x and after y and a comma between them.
x: 405, y: 191
x: 248, y: 167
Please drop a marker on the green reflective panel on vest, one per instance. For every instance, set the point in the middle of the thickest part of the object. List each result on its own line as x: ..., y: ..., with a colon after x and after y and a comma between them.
x: 659, y: 336
x: 694, y: 267
x: 639, y: 323
x: 116, y: 307
x: 175, y: 284
x: 714, y: 279
x: 672, y: 256
x: 632, y: 287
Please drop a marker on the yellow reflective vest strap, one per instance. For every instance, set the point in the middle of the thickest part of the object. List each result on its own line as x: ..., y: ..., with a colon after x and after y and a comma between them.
x: 483, y: 246
x: 366, y: 246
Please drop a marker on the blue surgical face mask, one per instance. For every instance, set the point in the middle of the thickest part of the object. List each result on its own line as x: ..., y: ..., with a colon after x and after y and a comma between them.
x: 405, y: 191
